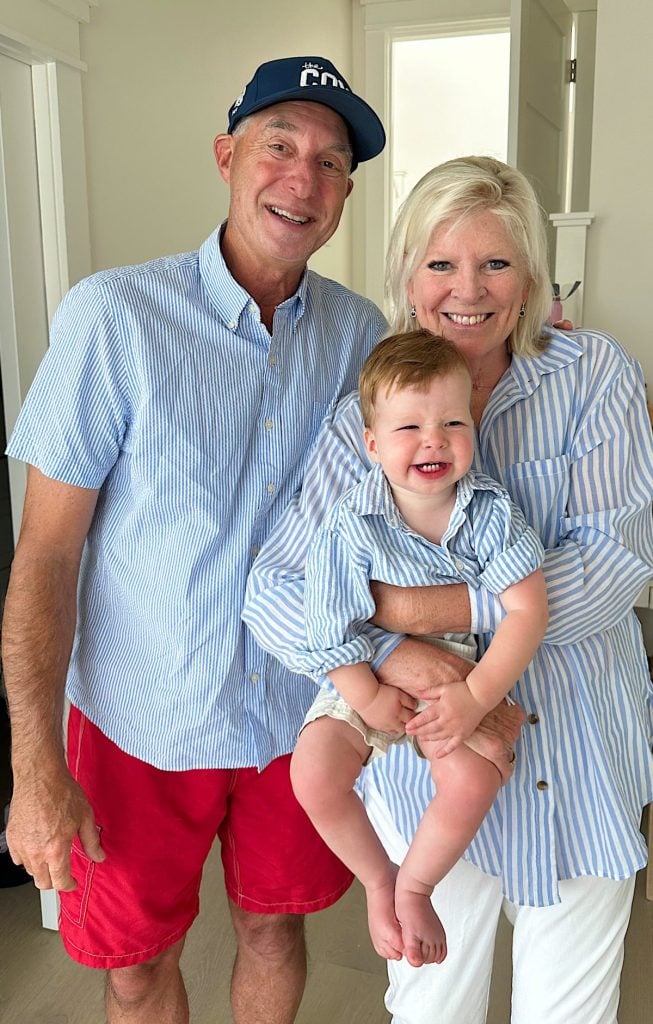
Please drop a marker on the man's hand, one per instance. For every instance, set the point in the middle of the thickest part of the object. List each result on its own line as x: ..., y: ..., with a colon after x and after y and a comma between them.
x: 45, y: 816
x: 389, y: 710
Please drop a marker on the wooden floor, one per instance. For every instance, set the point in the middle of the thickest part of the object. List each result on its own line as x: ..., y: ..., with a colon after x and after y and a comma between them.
x: 39, y: 985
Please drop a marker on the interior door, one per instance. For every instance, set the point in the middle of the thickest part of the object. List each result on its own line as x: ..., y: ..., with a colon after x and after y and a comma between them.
x: 23, y: 311
x: 538, y: 117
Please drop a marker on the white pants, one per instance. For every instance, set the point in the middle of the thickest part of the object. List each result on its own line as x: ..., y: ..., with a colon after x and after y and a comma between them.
x: 567, y: 958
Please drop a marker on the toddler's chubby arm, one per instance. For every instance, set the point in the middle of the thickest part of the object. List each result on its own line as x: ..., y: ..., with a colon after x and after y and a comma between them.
x: 382, y: 707
x: 462, y: 705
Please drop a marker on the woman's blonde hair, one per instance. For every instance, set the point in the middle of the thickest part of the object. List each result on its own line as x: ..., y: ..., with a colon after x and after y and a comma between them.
x: 452, y: 193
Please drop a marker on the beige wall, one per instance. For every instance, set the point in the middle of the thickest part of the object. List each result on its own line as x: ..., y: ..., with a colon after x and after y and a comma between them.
x: 619, y: 270
x: 161, y: 76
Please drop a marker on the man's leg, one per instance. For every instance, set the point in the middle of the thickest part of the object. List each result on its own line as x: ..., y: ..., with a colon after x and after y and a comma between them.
x: 149, y: 993
x: 567, y: 958
x: 276, y: 870
x: 270, y: 968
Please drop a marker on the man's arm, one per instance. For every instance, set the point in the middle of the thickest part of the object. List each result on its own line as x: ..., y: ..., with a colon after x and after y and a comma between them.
x: 48, y: 807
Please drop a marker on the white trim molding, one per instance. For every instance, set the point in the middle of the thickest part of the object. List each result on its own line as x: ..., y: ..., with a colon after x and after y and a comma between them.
x: 570, y: 251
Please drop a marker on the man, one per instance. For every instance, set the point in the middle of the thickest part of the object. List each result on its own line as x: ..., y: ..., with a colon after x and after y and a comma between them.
x: 166, y: 430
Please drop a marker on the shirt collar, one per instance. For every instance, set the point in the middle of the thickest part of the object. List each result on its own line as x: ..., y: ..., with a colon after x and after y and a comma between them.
x: 372, y: 496
x: 562, y: 350
x: 228, y: 297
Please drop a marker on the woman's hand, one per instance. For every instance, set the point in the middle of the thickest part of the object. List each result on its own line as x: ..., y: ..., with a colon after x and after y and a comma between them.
x: 421, y: 668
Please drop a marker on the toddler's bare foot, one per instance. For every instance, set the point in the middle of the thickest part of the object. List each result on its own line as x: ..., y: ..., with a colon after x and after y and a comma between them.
x: 385, y: 930
x: 423, y: 936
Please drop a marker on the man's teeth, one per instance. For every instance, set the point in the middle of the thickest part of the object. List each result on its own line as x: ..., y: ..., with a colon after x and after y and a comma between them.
x: 468, y: 321
x: 289, y: 216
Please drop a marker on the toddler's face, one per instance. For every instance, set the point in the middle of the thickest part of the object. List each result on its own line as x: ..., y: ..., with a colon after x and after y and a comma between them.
x: 424, y: 436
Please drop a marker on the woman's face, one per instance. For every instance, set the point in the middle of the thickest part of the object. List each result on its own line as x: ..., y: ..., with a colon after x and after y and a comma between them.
x: 470, y: 285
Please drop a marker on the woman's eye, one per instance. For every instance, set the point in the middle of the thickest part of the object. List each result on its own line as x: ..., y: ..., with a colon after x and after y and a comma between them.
x: 439, y: 265
x: 497, y: 264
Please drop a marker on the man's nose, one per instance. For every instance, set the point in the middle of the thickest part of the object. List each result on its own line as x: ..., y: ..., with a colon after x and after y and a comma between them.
x: 303, y: 178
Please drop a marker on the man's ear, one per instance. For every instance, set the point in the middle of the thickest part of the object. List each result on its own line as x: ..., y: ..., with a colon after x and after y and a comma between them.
x: 350, y: 185
x: 223, y: 149
x: 370, y: 444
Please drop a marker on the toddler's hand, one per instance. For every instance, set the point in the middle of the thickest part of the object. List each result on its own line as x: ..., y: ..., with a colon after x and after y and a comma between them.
x: 458, y: 714
x: 389, y: 710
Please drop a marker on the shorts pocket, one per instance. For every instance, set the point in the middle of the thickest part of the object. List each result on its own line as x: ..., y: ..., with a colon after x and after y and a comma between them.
x: 74, y: 904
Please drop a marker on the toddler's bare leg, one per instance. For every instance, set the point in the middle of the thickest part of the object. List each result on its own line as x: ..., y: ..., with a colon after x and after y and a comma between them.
x: 324, y: 767
x: 466, y: 787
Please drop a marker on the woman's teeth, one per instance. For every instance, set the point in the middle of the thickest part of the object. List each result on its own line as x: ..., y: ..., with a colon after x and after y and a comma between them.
x: 468, y: 321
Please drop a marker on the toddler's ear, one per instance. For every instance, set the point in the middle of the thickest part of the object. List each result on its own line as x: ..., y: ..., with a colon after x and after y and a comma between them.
x: 370, y: 444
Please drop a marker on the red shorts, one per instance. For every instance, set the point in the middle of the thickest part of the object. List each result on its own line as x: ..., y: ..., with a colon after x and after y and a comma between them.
x: 157, y: 828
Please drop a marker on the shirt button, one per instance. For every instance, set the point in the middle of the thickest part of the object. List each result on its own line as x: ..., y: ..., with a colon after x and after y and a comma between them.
x: 272, y: 361
x: 255, y: 551
x: 271, y: 488
x: 532, y: 719
x: 269, y: 424
x: 252, y: 307
x: 542, y: 785
x: 232, y: 325
x: 254, y: 676
x: 458, y: 564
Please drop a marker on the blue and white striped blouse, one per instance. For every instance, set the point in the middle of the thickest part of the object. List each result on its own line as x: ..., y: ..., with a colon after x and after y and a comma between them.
x: 567, y: 433
x: 163, y: 388
x: 486, y: 543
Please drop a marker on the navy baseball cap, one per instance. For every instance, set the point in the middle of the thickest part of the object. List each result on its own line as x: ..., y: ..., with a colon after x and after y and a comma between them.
x: 317, y: 80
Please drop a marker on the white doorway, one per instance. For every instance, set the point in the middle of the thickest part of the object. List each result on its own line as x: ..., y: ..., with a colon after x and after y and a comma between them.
x: 438, y: 110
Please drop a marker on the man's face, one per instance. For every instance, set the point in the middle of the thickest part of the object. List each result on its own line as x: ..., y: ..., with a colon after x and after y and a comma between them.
x: 288, y: 173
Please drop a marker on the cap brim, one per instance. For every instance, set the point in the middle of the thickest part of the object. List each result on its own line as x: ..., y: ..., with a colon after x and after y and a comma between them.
x: 367, y: 132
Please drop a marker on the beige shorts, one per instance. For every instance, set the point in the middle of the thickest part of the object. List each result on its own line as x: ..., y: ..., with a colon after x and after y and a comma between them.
x: 331, y: 705
x: 494, y: 739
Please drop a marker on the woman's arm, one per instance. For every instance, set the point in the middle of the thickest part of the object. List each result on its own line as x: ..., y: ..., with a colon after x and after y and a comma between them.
x: 603, y: 551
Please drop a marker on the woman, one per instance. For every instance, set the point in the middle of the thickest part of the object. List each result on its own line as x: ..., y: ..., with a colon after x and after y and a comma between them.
x: 561, y: 422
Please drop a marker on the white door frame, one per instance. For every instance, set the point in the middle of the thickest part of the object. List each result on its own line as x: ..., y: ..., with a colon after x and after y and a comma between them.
x: 62, y: 196
x: 376, y: 24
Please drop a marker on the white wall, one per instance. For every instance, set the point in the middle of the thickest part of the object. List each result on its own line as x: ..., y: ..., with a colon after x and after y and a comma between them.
x: 161, y: 76
x: 619, y: 269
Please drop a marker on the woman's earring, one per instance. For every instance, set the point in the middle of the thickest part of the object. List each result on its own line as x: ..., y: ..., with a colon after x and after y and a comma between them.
x: 522, y: 311
x: 413, y: 313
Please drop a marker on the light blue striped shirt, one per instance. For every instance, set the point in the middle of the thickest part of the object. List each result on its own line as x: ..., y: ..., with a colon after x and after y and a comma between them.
x: 567, y: 433
x: 364, y: 537
x: 163, y: 388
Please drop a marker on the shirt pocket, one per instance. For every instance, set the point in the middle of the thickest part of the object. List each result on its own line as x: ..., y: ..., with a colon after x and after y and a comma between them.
x: 541, y: 489
x: 74, y: 905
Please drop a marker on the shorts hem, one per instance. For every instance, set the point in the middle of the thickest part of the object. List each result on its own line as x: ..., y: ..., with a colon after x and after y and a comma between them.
x: 110, y: 962
x: 306, y: 907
